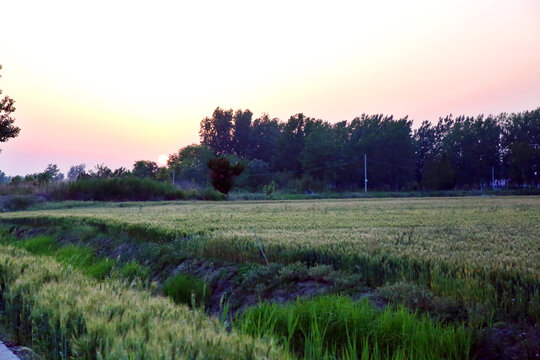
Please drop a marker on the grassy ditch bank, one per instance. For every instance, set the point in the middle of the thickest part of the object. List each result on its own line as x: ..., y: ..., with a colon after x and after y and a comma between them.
x: 63, y: 314
x: 51, y: 306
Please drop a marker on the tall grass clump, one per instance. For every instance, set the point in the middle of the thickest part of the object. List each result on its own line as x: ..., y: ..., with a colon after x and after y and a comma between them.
x: 133, y: 270
x: 331, y: 327
x: 187, y: 289
x: 77, y: 256
x: 62, y: 314
x: 100, y: 269
x: 120, y: 189
x: 40, y: 245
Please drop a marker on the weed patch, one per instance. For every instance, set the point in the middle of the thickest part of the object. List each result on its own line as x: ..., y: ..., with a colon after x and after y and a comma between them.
x: 187, y: 289
x: 335, y: 327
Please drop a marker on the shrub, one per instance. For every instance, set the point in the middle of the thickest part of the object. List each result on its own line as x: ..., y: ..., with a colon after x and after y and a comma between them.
x: 212, y: 195
x: 270, y: 188
x: 418, y: 298
x: 408, y: 294
x: 187, y: 289
x: 119, y: 189
x: 18, y: 203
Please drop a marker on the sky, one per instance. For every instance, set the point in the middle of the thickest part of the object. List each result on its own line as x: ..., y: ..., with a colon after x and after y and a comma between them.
x: 113, y: 82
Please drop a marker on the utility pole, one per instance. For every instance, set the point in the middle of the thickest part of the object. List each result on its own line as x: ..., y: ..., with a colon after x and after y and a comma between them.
x: 365, y: 172
x: 173, y: 176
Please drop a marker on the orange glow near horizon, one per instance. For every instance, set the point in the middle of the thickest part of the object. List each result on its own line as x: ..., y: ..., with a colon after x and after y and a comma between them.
x: 115, y: 82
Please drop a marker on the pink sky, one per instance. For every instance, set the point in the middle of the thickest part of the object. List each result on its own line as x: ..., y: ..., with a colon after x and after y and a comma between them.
x: 115, y: 82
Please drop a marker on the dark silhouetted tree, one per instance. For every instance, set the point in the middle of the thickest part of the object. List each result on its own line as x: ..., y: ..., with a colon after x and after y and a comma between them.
x: 121, y: 172
x: 321, y: 156
x: 439, y: 174
x: 102, y: 171
x: 7, y: 128
x: 74, y: 171
x: 425, y: 148
x: 216, y: 132
x: 241, y: 136
x: 265, y: 133
x: 524, y: 163
x: 389, y: 147
x: 521, y: 147
x: 222, y: 174
x: 291, y: 144
x: 145, y: 169
x: 190, y: 164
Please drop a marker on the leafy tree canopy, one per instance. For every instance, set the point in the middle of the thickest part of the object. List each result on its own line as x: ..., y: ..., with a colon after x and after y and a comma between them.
x: 7, y: 128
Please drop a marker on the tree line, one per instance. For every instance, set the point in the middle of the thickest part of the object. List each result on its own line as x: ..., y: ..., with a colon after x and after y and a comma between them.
x: 304, y: 153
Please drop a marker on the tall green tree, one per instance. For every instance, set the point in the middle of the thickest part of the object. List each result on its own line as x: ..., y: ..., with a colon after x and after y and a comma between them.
x: 216, y: 132
x: 145, y: 169
x: 425, y: 148
x: 7, y: 128
x: 321, y: 156
x: 190, y: 164
x: 265, y: 134
x: 439, y: 173
x: 521, y: 144
x: 241, y: 135
x: 291, y: 143
x: 389, y: 147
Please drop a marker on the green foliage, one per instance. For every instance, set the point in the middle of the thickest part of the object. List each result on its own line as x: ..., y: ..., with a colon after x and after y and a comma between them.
x: 133, y: 270
x: 19, y: 202
x: 7, y: 128
x: 40, y: 245
x: 241, y: 133
x: 420, y: 298
x: 144, y: 169
x: 212, y: 195
x: 270, y: 188
x: 524, y: 164
x: 100, y: 269
x: 119, y: 189
x: 78, y: 256
x: 187, y: 289
x: 265, y: 134
x: 336, y: 327
x: 189, y: 164
x: 439, y: 174
x: 255, y: 176
x: 216, y: 132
